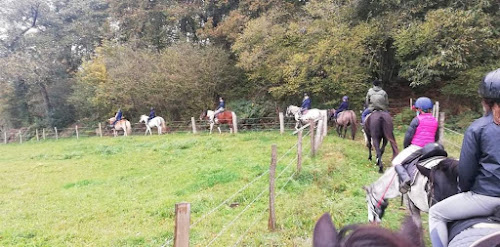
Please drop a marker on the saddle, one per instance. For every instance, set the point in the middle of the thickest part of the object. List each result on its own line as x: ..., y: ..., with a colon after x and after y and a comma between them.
x: 486, y: 222
x: 423, y: 157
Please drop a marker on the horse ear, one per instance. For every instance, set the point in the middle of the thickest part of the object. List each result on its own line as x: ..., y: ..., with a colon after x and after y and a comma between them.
x: 325, y: 234
x: 424, y: 171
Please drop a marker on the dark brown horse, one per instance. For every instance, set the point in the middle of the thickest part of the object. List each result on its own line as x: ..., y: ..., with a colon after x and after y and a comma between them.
x: 325, y: 235
x: 225, y: 117
x: 344, y: 120
x: 378, y: 127
x: 467, y: 232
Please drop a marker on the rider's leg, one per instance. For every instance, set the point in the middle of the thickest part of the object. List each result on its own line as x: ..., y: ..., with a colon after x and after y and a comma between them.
x: 404, y: 178
x: 460, y: 206
x: 364, y: 114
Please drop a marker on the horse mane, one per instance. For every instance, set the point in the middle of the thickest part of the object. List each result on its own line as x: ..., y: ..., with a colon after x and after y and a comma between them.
x: 370, y: 235
x: 448, y: 165
x: 325, y: 235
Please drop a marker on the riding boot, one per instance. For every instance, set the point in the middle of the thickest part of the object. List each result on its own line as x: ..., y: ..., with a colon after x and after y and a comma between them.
x: 404, y: 179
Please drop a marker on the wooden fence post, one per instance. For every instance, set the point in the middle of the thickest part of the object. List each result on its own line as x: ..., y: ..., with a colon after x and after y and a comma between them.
x: 235, y: 123
x: 57, y: 136
x: 299, y: 152
x: 76, y: 129
x: 5, y: 137
x: 272, y: 173
x: 282, y: 122
x: 100, y: 130
x: 441, y: 127
x: 319, y: 133
x: 20, y: 137
x: 311, y: 132
x: 437, y: 110
x: 182, y: 224
x: 411, y: 103
x: 193, y: 124
x: 325, y: 124
x: 37, y: 138
x: 43, y: 133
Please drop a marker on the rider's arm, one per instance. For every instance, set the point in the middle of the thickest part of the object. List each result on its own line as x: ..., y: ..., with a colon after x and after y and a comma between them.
x: 468, y: 165
x: 411, y: 132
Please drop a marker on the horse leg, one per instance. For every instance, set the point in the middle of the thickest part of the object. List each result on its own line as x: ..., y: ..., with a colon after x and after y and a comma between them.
x: 211, y: 127
x: 376, y: 144
x: 345, y: 131
x: 218, y: 127
x: 382, y: 149
x: 297, y: 125
x: 417, y: 219
x: 368, y: 140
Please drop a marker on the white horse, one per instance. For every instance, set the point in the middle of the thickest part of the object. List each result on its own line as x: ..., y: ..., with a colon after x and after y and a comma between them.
x: 312, y: 114
x: 157, y: 122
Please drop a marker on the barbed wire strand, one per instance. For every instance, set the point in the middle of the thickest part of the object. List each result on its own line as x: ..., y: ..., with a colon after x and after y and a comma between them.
x: 450, y: 130
x: 242, y: 236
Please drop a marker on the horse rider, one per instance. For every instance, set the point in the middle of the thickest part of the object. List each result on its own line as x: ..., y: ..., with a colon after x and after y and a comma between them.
x: 118, y: 116
x: 220, y: 108
x: 343, y: 106
x: 306, y: 103
x: 152, y: 114
x: 376, y: 99
x: 423, y: 130
x: 478, y: 167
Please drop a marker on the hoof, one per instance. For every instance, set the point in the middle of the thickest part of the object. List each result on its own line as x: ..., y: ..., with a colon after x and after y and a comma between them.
x: 381, y: 171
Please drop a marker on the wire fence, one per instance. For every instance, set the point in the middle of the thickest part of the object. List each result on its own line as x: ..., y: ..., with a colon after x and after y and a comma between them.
x: 453, y: 142
x: 256, y: 200
x: 104, y: 129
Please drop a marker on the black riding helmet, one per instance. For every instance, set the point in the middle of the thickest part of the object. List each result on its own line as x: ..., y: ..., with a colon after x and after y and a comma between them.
x: 490, y: 86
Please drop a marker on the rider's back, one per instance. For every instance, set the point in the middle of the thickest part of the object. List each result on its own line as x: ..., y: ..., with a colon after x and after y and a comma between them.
x: 378, y: 99
x: 481, y: 176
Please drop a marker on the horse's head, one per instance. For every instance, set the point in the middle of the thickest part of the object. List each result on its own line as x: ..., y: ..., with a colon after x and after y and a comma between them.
x: 331, y: 113
x: 442, y: 179
x: 203, y: 115
x: 111, y: 120
x: 325, y: 235
x: 143, y: 118
x: 376, y: 209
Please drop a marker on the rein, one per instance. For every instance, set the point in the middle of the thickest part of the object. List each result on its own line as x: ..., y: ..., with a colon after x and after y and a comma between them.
x: 379, y: 202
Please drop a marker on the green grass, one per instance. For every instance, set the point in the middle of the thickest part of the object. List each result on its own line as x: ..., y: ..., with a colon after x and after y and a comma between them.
x: 122, y: 191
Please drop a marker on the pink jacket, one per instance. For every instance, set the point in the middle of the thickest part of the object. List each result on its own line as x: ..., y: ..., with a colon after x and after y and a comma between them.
x: 426, y: 130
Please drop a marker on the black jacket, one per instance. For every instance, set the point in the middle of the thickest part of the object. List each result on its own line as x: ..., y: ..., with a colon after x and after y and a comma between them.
x: 479, y: 165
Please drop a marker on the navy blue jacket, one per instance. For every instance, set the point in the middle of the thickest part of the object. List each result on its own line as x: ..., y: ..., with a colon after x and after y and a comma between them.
x: 221, y: 105
x: 306, y: 104
x: 119, y: 115
x: 479, y: 164
x: 344, y: 106
x: 152, y: 114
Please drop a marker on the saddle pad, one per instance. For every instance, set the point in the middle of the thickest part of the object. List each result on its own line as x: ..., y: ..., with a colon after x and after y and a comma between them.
x: 467, y: 237
x: 427, y: 163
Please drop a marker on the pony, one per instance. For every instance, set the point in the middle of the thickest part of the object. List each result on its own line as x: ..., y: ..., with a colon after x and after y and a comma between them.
x: 225, y: 117
x: 421, y: 195
x: 157, y: 122
x: 123, y: 124
x: 325, y: 235
x: 478, y: 231
x: 295, y: 111
x: 344, y: 120
x: 378, y: 127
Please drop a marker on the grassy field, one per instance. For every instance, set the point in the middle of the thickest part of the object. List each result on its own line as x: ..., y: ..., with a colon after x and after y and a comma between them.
x: 122, y: 191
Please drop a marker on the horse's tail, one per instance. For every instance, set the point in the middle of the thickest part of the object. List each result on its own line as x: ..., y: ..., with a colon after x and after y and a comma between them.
x: 163, y: 125
x: 354, y: 126
x: 387, y: 128
x: 129, y: 127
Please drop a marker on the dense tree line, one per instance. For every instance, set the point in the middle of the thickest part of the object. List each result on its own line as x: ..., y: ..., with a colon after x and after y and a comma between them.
x: 68, y: 61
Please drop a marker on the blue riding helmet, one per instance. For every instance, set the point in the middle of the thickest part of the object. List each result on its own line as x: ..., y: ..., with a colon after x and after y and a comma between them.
x: 424, y: 103
x: 490, y: 86
x: 345, y: 98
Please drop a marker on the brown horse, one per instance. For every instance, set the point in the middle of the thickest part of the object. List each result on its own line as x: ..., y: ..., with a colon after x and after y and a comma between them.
x: 325, y: 235
x: 225, y: 117
x: 123, y: 124
x: 344, y: 120
x: 379, y: 127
